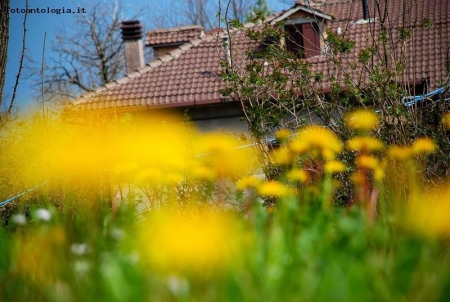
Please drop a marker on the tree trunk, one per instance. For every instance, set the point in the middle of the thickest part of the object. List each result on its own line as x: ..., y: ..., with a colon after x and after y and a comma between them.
x: 4, y: 37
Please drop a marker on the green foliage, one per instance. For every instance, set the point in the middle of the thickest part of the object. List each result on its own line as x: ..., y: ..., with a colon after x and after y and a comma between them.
x: 299, y: 251
x: 278, y: 90
x: 338, y: 43
x: 259, y: 10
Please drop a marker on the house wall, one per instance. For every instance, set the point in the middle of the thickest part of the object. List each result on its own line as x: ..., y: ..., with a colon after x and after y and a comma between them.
x: 227, y: 117
x: 232, y: 124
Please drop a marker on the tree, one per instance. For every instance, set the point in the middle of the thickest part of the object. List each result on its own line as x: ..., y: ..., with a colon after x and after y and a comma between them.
x: 89, y: 52
x: 277, y: 89
x: 204, y: 12
x: 4, y: 37
x: 259, y: 8
x: 239, y: 9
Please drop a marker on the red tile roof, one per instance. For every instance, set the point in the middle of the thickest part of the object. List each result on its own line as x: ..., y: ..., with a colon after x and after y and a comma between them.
x: 171, y: 36
x: 189, y: 75
x: 424, y: 52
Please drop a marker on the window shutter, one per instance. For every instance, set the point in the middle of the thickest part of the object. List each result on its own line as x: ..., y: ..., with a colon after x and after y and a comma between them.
x: 311, y: 39
x: 294, y: 40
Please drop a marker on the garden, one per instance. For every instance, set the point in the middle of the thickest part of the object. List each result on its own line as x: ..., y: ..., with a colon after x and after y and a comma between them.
x: 212, y: 226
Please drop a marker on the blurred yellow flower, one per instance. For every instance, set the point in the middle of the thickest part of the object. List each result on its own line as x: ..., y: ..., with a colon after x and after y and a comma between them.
x: 361, y: 119
x: 367, y: 162
x: 379, y: 170
x: 365, y: 143
x: 282, y: 134
x: 299, y: 175
x: 225, y: 155
x: 400, y: 153
x: 358, y: 178
x: 173, y: 178
x: 202, y: 173
x: 334, y: 166
x: 446, y: 121
x: 317, y: 138
x: 199, y: 241
x: 299, y: 147
x: 423, y: 146
x: 281, y: 156
x: 429, y: 213
x: 248, y: 182
x: 378, y: 173
x: 152, y: 175
x: 273, y: 189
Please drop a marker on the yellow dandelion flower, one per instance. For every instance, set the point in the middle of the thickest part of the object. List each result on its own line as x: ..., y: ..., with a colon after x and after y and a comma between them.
x: 202, y: 173
x: 198, y: 241
x: 281, y: 156
x: 273, y: 189
x: 328, y: 154
x: 299, y: 147
x: 282, y: 134
x: 362, y: 119
x: 225, y: 155
x: 124, y: 168
x: 400, y: 153
x: 334, y: 166
x: 153, y: 175
x: 173, y: 178
x: 365, y: 143
x: 299, y: 175
x: 429, y: 213
x: 423, y: 146
x: 446, y: 121
x: 367, y: 162
x: 358, y: 178
x: 248, y: 182
x: 378, y: 173
x: 317, y: 138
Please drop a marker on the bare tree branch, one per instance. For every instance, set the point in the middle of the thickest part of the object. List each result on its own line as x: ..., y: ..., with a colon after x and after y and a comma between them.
x: 16, y: 84
x: 89, y: 50
x: 4, y: 37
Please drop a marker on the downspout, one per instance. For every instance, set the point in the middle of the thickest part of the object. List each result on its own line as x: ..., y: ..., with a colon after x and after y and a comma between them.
x: 226, y: 49
x: 365, y: 10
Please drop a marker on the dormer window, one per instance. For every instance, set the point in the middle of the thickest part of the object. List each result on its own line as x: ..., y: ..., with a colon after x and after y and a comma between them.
x: 303, y: 39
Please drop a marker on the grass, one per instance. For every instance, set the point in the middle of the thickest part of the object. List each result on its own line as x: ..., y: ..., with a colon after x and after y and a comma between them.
x: 201, y: 239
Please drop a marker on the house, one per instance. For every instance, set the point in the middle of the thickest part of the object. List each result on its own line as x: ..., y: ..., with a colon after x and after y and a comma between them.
x: 185, y: 73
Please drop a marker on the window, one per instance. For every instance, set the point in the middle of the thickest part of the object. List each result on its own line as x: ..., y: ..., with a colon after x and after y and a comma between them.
x: 303, y: 40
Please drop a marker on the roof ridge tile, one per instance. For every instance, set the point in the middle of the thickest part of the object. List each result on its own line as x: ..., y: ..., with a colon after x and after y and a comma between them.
x: 185, y: 46
x: 154, y: 63
x: 109, y: 85
x: 134, y: 74
x: 176, y: 52
x: 122, y: 80
x: 165, y: 58
x: 196, y: 42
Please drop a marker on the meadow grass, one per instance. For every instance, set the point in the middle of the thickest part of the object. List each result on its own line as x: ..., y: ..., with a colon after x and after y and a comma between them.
x: 211, y: 228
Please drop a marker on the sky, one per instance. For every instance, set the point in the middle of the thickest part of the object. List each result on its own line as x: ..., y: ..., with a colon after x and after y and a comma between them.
x: 45, y: 23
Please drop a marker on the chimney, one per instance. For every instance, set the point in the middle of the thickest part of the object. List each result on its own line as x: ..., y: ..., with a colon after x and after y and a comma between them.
x: 134, y: 51
x: 365, y: 10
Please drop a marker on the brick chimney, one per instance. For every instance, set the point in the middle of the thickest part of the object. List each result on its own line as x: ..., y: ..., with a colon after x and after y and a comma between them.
x: 134, y: 50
